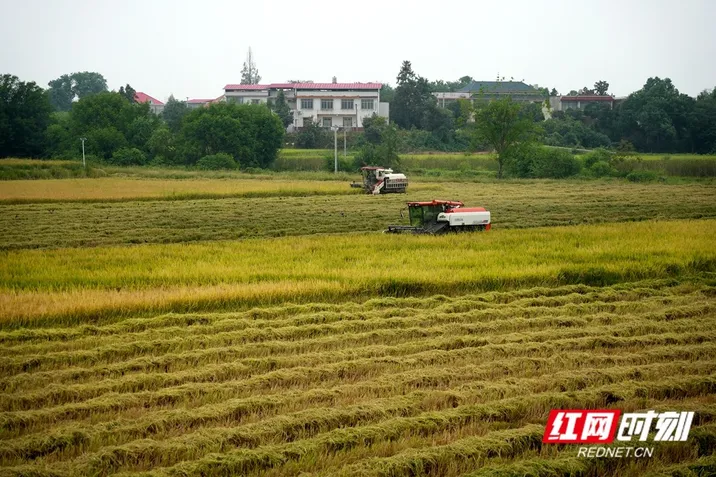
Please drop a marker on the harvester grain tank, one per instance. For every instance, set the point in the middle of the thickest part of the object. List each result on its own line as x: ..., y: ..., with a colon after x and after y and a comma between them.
x: 442, y: 216
x: 381, y: 180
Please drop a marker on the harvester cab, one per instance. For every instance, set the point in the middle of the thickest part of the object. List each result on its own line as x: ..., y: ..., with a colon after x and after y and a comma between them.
x: 441, y: 216
x: 381, y: 180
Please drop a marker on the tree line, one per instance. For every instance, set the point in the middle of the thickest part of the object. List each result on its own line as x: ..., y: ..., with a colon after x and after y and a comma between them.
x: 656, y: 118
x: 117, y: 130
x: 37, y: 122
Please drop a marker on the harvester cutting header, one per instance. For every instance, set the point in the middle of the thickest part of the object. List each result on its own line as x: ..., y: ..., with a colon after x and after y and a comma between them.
x: 442, y: 216
x: 381, y: 180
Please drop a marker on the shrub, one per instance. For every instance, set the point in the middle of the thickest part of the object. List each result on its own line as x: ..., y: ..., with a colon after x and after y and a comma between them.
x: 542, y: 162
x: 128, y: 156
x: 554, y: 163
x: 216, y: 162
x: 597, y: 155
x: 602, y: 169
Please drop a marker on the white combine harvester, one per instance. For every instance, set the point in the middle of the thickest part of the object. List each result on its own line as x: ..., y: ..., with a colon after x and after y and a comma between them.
x: 381, y: 180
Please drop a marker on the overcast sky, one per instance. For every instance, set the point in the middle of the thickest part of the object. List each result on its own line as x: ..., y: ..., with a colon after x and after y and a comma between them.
x: 193, y: 48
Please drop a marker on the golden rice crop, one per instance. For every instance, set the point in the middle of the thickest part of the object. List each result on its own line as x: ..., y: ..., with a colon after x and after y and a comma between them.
x: 114, y: 189
x: 78, y: 285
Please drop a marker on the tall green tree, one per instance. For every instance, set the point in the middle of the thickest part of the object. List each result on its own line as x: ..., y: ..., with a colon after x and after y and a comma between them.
x: 174, y: 112
x: 500, y: 125
x: 601, y: 88
x: 281, y: 108
x: 66, y: 88
x: 110, y: 122
x: 704, y: 123
x: 413, y: 97
x: 657, y: 118
x: 128, y: 92
x: 24, y: 117
x: 61, y: 93
x: 87, y: 83
x: 251, y: 134
x: 250, y: 73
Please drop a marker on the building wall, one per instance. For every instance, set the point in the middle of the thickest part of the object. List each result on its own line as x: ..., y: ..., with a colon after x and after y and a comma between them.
x: 247, y: 97
x: 335, y: 115
x: 365, y: 104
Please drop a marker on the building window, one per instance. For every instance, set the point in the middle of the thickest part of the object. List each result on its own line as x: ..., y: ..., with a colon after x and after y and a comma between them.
x: 348, y: 122
x: 366, y: 104
x: 327, y: 122
x: 326, y: 104
x: 346, y: 104
x: 307, y: 121
x: 307, y: 104
x: 255, y: 101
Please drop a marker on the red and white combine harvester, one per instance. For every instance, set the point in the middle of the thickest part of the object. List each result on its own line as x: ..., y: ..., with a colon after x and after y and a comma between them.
x: 381, y: 180
x: 442, y: 216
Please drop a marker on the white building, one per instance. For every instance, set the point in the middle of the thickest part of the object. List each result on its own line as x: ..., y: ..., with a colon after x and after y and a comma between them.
x: 345, y: 105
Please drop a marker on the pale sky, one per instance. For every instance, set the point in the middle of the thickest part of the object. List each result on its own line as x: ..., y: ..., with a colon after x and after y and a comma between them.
x: 193, y: 48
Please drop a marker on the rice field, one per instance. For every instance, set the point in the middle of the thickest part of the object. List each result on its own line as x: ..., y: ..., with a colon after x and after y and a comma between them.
x: 514, y: 204
x: 440, y: 386
x: 123, y: 189
x: 265, y: 327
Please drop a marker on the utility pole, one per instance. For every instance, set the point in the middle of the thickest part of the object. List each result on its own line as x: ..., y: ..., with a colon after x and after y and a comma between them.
x: 344, y: 144
x: 335, y: 149
x: 84, y: 163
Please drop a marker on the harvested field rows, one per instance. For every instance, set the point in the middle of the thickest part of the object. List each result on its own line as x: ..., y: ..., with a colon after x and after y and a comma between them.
x: 438, y: 386
x: 513, y: 205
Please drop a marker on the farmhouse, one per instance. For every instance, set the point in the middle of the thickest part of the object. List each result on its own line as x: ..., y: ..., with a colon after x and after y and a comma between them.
x: 344, y: 105
x: 490, y: 90
x: 155, y: 105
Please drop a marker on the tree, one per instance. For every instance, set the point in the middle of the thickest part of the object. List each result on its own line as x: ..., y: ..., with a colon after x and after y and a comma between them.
x: 128, y: 92
x: 249, y: 73
x: 381, y: 143
x: 387, y: 93
x: 61, y: 93
x: 704, y: 122
x: 601, y: 88
x: 310, y: 136
x: 110, y: 122
x: 174, y: 112
x: 24, y: 117
x: 500, y: 125
x: 657, y: 118
x: 281, y: 108
x: 412, y: 98
x: 66, y: 88
x: 251, y: 134
x: 586, y: 91
x: 554, y: 92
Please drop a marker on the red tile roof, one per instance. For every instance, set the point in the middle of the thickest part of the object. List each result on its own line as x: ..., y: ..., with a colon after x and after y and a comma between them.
x: 587, y: 98
x: 145, y: 98
x: 253, y: 87
x: 247, y: 87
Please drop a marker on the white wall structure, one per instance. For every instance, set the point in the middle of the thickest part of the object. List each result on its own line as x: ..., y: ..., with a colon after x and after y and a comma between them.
x: 345, y: 105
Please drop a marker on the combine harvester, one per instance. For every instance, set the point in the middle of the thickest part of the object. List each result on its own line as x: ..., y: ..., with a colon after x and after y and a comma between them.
x: 381, y: 180
x: 443, y: 216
